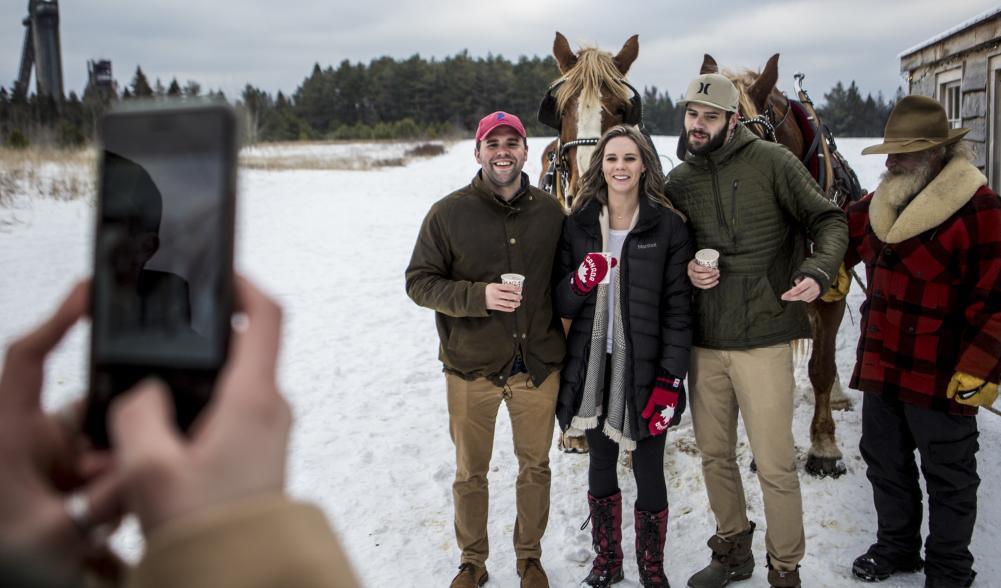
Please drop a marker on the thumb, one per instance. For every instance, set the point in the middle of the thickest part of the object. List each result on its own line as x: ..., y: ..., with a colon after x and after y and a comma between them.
x: 142, y: 428
x: 649, y: 408
x: 953, y: 386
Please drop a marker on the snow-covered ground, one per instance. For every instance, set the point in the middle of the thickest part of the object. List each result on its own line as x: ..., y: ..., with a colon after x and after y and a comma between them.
x: 359, y: 366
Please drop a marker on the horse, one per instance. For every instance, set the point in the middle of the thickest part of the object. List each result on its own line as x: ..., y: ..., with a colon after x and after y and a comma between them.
x: 590, y: 96
x: 770, y: 114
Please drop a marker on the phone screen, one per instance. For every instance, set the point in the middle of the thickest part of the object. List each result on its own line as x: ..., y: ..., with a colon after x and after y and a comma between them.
x: 161, y: 294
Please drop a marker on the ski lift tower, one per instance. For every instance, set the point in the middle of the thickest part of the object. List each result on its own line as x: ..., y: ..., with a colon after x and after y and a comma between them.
x: 42, y: 51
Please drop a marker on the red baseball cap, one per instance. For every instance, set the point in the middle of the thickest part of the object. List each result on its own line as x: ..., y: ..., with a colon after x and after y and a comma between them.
x: 500, y: 118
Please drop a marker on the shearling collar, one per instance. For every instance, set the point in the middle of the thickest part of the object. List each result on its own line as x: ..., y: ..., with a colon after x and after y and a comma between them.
x: 953, y: 187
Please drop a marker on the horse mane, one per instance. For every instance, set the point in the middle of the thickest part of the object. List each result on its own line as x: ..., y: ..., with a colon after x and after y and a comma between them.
x: 742, y: 79
x: 594, y: 70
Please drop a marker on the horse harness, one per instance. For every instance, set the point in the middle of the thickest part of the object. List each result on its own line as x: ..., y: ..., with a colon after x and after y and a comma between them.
x: 765, y: 120
x: 821, y: 158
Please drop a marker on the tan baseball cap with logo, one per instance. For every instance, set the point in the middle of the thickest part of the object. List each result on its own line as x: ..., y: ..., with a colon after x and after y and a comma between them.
x: 714, y: 90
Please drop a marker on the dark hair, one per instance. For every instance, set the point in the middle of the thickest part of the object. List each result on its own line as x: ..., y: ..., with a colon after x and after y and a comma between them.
x: 592, y: 182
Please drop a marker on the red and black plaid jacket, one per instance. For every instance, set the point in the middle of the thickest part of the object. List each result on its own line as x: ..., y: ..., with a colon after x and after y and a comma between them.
x: 933, y: 304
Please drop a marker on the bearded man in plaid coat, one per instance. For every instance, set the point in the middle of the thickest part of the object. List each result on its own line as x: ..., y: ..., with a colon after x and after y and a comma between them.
x: 930, y: 348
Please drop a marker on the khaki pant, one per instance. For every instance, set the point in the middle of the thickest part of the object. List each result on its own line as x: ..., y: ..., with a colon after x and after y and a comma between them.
x: 472, y: 411
x: 757, y: 384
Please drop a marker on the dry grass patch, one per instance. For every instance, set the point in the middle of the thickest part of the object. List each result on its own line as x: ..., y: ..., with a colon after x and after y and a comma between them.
x: 48, y: 173
x: 426, y: 150
x: 335, y: 155
x: 319, y: 163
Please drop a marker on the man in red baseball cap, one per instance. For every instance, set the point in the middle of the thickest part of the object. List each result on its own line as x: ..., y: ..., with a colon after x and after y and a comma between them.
x: 499, y: 341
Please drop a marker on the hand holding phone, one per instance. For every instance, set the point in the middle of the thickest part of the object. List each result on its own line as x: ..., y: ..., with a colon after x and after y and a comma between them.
x: 240, y: 444
x: 50, y: 460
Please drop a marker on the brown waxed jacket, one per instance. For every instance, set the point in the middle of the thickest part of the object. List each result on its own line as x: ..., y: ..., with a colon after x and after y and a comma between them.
x: 467, y: 240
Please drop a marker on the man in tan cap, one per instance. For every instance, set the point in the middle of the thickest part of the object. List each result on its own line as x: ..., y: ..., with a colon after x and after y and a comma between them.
x: 930, y: 348
x: 752, y: 201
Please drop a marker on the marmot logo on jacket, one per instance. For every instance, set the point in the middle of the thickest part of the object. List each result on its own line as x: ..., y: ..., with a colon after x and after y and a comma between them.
x: 646, y: 245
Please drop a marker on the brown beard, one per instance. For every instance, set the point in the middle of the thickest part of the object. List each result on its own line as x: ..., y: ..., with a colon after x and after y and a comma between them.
x: 715, y: 142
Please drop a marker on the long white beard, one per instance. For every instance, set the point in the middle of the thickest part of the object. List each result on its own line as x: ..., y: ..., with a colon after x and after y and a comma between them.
x: 900, y: 188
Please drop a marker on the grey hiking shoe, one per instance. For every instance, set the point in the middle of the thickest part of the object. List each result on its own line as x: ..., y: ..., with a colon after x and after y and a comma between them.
x: 732, y: 561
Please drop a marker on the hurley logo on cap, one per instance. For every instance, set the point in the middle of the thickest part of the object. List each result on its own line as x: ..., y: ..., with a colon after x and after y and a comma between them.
x: 704, y: 88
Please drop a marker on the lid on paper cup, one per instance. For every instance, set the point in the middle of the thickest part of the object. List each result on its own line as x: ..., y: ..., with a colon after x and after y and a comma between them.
x: 512, y: 278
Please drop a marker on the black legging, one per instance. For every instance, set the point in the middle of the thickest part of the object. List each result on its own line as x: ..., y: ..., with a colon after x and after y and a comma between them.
x: 648, y: 464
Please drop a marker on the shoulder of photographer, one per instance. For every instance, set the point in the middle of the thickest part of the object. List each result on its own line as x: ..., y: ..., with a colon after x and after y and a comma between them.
x: 261, y: 541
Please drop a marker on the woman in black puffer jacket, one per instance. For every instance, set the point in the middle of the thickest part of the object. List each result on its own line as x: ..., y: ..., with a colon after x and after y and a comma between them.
x: 629, y: 341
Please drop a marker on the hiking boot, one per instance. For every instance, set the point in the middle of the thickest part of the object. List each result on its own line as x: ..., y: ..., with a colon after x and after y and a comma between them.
x: 469, y: 576
x: 933, y: 582
x: 651, y: 534
x: 873, y: 567
x: 732, y: 560
x: 531, y: 573
x: 782, y: 578
x: 606, y: 538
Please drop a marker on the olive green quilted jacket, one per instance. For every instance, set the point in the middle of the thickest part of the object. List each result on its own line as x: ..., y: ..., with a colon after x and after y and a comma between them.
x: 756, y: 204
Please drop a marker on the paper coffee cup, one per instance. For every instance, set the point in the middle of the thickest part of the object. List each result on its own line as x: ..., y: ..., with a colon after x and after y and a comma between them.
x: 707, y: 258
x: 513, y: 279
x: 608, y: 263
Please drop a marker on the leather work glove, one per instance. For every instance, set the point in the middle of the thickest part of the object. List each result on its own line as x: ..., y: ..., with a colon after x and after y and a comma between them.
x: 660, y: 408
x: 591, y: 271
x: 839, y: 289
x: 971, y: 390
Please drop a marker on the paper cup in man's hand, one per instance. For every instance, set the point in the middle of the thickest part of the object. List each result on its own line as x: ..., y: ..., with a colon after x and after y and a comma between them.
x: 513, y: 279
x: 707, y: 258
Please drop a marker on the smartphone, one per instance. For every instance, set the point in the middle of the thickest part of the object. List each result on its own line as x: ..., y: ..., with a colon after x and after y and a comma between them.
x: 162, y: 291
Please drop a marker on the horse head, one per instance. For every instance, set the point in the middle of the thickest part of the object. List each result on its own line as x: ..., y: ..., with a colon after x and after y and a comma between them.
x: 763, y: 108
x: 590, y: 96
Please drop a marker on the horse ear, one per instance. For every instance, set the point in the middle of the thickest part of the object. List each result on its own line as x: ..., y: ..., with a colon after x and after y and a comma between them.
x: 565, y: 58
x: 708, y: 65
x: 763, y: 86
x: 627, y: 55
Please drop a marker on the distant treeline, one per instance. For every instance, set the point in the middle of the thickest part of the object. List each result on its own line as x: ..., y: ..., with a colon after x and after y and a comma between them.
x: 385, y: 99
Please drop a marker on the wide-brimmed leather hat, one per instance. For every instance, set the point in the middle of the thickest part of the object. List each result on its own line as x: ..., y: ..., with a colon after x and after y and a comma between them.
x: 915, y: 124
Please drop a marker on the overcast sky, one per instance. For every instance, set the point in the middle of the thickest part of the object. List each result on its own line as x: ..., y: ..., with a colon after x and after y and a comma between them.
x: 273, y: 44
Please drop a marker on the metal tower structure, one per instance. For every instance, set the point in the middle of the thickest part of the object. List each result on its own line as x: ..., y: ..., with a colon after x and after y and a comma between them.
x: 101, y: 85
x: 41, y: 50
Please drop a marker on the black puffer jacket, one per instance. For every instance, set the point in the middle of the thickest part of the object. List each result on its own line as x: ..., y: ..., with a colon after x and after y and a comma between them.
x: 656, y: 297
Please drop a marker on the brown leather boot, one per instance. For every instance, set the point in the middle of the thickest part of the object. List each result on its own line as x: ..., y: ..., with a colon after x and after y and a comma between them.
x: 731, y: 561
x: 531, y: 573
x: 783, y: 578
x: 469, y: 576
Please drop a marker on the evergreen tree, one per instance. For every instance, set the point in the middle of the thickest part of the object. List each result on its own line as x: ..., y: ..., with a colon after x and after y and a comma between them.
x: 174, y: 90
x: 140, y: 85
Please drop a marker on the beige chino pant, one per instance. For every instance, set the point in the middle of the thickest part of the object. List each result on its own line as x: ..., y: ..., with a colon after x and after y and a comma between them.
x: 472, y: 411
x: 758, y: 385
